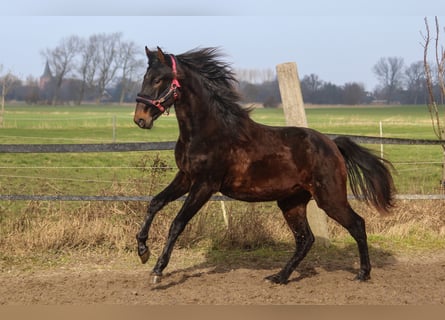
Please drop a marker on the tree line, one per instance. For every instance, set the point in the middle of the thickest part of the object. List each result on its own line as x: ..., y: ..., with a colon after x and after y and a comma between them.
x: 108, y: 68
x: 397, y: 83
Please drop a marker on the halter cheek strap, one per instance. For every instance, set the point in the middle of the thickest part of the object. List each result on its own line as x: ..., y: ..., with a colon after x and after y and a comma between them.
x: 175, y: 82
x: 172, y: 91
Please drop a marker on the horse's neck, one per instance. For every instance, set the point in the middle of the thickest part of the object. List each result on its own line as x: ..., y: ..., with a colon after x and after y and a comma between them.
x: 192, y: 120
x: 196, y: 118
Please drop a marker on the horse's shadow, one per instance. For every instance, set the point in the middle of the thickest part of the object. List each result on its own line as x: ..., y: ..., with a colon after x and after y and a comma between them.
x: 331, y: 259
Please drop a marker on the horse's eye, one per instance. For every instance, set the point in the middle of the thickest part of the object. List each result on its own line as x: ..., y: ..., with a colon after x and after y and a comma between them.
x: 157, y: 81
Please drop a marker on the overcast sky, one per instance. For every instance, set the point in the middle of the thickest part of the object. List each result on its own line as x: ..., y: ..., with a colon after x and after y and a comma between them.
x: 340, y: 41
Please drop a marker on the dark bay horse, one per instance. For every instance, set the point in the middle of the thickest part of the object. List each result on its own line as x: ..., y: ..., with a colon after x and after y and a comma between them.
x: 220, y: 148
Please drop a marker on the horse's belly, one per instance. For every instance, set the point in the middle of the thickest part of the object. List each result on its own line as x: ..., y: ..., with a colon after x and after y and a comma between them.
x: 257, y: 188
x: 269, y: 175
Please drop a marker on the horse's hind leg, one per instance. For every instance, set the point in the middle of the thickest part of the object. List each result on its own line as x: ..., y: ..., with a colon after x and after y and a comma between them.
x: 355, y: 225
x: 294, y: 211
x: 357, y: 229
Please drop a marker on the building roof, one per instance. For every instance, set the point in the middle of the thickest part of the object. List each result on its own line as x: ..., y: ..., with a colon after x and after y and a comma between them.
x: 47, y: 72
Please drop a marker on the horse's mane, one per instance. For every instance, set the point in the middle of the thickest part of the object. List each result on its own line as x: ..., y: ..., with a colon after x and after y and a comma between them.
x: 218, y: 79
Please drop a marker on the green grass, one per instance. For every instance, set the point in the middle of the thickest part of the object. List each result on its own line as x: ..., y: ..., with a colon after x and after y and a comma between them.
x: 418, y: 167
x: 95, y: 123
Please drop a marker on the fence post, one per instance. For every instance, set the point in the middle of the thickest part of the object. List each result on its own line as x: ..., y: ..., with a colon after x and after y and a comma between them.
x: 295, y: 115
x: 114, y: 128
x: 381, y: 136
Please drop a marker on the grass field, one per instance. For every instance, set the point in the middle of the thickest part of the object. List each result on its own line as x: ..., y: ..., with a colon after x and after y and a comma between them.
x: 418, y: 167
x: 57, y: 226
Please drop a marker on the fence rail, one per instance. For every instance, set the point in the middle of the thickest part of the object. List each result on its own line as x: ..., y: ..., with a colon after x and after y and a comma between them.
x: 170, y: 145
x: 86, y: 147
x: 381, y: 140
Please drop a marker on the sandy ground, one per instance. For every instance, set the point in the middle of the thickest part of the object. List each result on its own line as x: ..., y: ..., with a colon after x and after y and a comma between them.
x: 409, y: 279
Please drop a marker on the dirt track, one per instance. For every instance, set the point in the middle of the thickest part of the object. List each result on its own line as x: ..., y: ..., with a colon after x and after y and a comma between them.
x: 413, y: 279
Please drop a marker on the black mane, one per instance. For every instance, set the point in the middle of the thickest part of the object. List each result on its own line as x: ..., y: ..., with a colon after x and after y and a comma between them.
x: 218, y: 78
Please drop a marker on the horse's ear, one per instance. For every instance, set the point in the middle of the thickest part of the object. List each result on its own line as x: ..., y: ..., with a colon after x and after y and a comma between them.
x: 147, y: 52
x: 161, y: 56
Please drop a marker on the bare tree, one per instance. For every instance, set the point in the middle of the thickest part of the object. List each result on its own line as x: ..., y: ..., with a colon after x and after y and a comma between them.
x: 108, y: 51
x: 61, y: 61
x: 389, y: 72
x: 31, y: 92
x: 255, y: 75
x: 436, y: 108
x: 353, y: 93
x: 129, y: 64
x: 310, y: 86
x: 6, y: 83
x: 88, y: 64
x: 415, y: 80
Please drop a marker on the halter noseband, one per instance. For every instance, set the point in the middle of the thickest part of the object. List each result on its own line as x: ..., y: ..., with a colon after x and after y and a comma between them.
x: 172, y: 91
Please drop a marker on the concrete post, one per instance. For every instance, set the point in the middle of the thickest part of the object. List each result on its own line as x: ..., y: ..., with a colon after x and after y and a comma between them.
x: 295, y: 115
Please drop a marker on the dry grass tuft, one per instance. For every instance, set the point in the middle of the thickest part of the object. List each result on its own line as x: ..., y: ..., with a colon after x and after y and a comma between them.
x: 56, y: 226
x: 61, y: 227
x: 111, y: 226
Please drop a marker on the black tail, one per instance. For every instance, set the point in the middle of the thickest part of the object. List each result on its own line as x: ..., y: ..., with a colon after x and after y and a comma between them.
x: 369, y: 176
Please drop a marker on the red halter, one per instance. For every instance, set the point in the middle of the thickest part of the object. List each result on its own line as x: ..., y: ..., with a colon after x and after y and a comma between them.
x: 172, y: 91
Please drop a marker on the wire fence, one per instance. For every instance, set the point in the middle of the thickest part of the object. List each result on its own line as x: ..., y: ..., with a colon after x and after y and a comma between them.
x: 156, y: 146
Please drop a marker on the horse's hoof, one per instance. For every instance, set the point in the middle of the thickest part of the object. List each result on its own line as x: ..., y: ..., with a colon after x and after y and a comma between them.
x: 144, y: 256
x: 276, y: 278
x: 156, y: 279
x: 362, y: 276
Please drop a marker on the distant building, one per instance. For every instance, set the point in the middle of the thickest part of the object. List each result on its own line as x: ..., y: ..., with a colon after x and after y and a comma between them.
x: 46, y: 77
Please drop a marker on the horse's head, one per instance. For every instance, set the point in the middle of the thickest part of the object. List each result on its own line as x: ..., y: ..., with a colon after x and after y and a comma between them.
x: 159, y: 88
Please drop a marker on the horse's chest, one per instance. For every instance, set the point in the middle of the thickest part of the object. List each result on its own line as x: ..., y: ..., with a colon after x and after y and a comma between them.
x: 195, y: 158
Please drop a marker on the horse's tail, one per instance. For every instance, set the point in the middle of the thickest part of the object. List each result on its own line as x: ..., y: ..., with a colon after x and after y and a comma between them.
x: 369, y: 175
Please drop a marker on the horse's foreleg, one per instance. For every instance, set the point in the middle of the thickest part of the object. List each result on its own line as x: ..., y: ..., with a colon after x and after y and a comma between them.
x: 177, y: 188
x: 294, y: 211
x: 197, y: 197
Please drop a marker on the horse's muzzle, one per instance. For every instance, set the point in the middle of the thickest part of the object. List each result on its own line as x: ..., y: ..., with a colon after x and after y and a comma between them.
x: 140, y: 123
x: 143, y: 124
